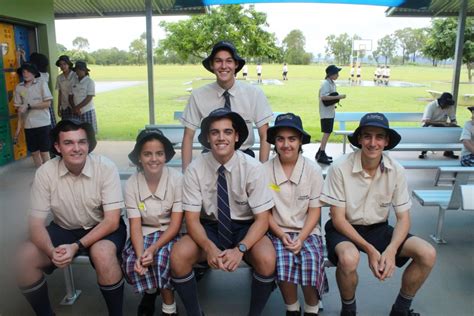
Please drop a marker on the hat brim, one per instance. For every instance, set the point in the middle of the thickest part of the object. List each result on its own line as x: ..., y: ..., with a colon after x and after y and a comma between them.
x: 272, y: 131
x: 70, y: 64
x: 31, y: 70
x: 84, y: 125
x: 80, y: 68
x: 135, y: 153
x: 333, y: 72
x: 237, y: 121
x: 393, y: 137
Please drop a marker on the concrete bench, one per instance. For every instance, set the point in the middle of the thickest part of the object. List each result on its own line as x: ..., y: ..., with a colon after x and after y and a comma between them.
x: 429, y: 164
x: 453, y: 198
x: 345, y: 117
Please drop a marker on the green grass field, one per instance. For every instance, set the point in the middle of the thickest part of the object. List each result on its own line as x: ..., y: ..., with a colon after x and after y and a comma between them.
x: 121, y: 113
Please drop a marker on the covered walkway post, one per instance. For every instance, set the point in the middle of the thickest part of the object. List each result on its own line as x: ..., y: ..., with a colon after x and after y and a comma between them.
x: 459, y: 48
x: 149, y: 60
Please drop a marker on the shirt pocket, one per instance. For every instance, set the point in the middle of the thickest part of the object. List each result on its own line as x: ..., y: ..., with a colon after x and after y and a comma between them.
x: 383, y: 204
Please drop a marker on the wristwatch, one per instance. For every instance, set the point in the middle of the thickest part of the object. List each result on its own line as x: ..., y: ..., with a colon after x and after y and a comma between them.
x: 80, y: 245
x: 242, y: 248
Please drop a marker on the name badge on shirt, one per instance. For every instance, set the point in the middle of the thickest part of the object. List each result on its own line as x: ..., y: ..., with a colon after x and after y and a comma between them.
x: 142, y: 207
x: 274, y: 187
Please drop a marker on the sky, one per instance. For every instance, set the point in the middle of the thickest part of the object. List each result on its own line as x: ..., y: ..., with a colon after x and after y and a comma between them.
x: 316, y: 21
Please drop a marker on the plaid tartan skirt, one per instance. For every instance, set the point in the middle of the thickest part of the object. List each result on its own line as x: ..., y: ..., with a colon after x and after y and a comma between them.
x: 67, y: 114
x: 53, y: 117
x: 158, y: 275
x: 90, y: 117
x: 305, y: 268
x: 467, y: 160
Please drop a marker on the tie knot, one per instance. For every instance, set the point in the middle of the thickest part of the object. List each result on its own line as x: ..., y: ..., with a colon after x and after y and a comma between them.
x: 226, y: 93
x: 221, y: 169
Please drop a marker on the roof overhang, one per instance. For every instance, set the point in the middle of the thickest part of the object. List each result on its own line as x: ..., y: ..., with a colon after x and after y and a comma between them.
x: 67, y: 9
x: 431, y: 9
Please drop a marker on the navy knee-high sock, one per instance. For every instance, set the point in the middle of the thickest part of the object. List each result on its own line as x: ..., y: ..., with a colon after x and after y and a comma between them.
x: 113, y: 295
x: 37, y: 295
x: 187, y: 289
x: 262, y: 287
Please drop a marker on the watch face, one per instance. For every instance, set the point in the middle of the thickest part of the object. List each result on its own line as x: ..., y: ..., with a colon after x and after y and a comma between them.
x: 242, y: 248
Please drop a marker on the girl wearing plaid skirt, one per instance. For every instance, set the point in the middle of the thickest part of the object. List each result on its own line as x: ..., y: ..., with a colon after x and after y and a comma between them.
x: 153, y: 201
x: 296, y: 183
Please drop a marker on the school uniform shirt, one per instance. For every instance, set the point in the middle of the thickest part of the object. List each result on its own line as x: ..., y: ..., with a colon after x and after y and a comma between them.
x: 434, y: 112
x: 36, y: 93
x: 259, y: 69
x: 327, y: 87
x: 247, y: 186
x: 293, y: 196
x: 247, y: 100
x: 386, y: 72
x: 154, y: 208
x: 64, y: 84
x: 80, y: 89
x: 367, y: 199
x: 467, y: 134
x: 76, y: 201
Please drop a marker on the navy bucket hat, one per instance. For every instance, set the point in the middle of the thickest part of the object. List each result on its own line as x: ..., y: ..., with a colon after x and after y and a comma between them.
x: 224, y: 45
x: 375, y: 120
x: 146, y: 135
x: 289, y: 120
x: 332, y: 70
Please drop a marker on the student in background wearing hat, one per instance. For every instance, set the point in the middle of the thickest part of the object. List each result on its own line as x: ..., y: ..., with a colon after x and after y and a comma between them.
x: 81, y: 94
x: 296, y: 183
x: 467, y: 138
x: 227, y: 204
x: 82, y: 192
x: 32, y: 100
x: 386, y: 74
x: 361, y: 188
x: 259, y: 73
x: 327, y: 112
x: 64, y: 85
x: 153, y: 202
x: 285, y: 72
x: 437, y: 114
x: 245, y: 99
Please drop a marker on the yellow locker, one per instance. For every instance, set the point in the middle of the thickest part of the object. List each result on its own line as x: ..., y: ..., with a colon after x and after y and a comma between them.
x: 19, y: 148
x: 7, y: 41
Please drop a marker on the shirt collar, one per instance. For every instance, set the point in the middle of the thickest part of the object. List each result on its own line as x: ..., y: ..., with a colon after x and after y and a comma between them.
x: 87, y: 170
x: 160, y: 192
x: 232, y: 90
x: 385, y: 163
x: 228, y: 165
x: 296, y: 174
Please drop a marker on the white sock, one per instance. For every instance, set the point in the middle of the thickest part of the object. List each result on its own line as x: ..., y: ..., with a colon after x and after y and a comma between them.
x: 311, y: 309
x: 168, y: 309
x: 293, y: 307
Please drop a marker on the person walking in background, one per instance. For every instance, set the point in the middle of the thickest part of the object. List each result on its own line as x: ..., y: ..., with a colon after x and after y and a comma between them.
x: 352, y: 72
x: 285, y: 72
x: 359, y: 74
x: 32, y: 100
x: 154, y: 209
x: 245, y: 72
x: 440, y: 113
x: 467, y: 138
x: 328, y: 97
x: 81, y: 94
x: 259, y: 73
x: 386, y: 75
x: 296, y: 183
x: 64, y: 85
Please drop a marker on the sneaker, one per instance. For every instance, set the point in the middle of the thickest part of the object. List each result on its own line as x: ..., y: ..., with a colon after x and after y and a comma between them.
x: 450, y: 154
x: 348, y: 313
x: 147, y: 305
x: 293, y: 313
x: 403, y: 313
x: 324, y: 159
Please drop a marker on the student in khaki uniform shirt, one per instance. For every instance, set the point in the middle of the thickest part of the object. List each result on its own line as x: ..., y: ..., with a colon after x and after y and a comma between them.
x: 361, y: 187
x: 153, y: 201
x: 247, y: 100
x: 226, y: 202
x: 296, y: 184
x: 83, y: 193
x: 467, y: 139
x: 63, y: 85
x: 32, y: 100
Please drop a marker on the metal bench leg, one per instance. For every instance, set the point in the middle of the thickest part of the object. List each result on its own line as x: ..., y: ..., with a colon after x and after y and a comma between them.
x: 71, y: 293
x: 344, y: 137
x: 437, y: 237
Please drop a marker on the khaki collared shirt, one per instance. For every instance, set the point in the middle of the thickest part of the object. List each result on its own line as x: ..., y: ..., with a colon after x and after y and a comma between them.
x: 293, y: 196
x: 36, y: 93
x: 467, y: 134
x: 76, y: 201
x: 434, y: 112
x: 154, y: 208
x: 64, y: 85
x: 327, y: 87
x: 249, y: 101
x: 247, y: 185
x: 367, y: 200
x: 81, y: 89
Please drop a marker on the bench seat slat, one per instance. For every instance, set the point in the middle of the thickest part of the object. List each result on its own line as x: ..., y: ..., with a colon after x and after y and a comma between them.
x: 433, y: 197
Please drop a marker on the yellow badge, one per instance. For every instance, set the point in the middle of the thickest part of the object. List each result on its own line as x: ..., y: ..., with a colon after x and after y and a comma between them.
x: 141, y: 206
x: 274, y: 187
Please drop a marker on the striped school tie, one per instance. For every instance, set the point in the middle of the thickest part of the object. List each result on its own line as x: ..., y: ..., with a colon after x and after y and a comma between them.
x: 223, y: 211
x: 226, y: 95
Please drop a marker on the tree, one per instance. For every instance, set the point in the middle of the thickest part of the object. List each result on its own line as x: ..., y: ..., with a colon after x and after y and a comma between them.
x: 138, y: 50
x: 386, y: 47
x: 242, y: 26
x: 111, y: 56
x: 293, y: 49
x: 80, y: 43
x: 61, y: 48
x: 340, y: 47
x: 441, y: 42
x: 404, y: 38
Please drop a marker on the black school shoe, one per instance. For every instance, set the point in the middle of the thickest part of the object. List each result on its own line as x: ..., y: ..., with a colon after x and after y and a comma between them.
x: 324, y: 159
x: 166, y: 314
x: 407, y: 312
x: 348, y: 313
x: 318, y: 155
x: 450, y: 154
x: 293, y: 313
x: 310, y: 314
x: 147, y: 304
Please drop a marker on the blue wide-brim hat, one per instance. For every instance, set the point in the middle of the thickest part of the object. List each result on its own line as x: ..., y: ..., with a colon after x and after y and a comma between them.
x: 289, y: 120
x: 237, y: 121
x: 149, y: 134
x: 332, y: 70
x: 224, y: 45
x: 375, y: 120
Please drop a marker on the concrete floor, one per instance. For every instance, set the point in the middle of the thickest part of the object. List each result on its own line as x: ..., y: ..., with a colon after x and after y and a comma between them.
x: 448, y: 291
